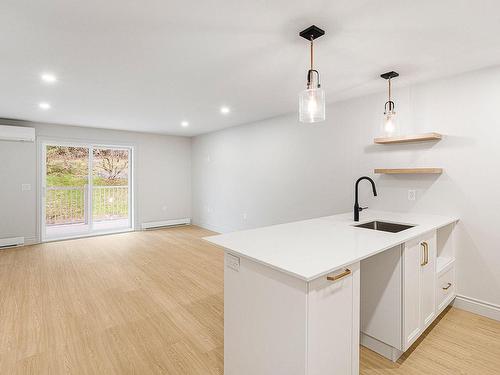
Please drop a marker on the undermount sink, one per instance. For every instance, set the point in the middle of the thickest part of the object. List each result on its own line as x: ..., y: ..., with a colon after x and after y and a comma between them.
x: 385, y: 226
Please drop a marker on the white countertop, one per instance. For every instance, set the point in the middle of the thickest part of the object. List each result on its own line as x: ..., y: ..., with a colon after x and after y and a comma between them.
x: 312, y: 248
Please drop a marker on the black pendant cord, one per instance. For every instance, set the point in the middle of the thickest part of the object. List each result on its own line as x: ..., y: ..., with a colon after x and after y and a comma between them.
x: 390, y: 102
x: 312, y: 53
x: 311, y: 33
x: 312, y: 70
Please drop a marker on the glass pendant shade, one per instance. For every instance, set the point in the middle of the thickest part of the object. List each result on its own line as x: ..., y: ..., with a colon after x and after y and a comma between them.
x: 312, y: 105
x: 312, y: 99
x: 390, y: 126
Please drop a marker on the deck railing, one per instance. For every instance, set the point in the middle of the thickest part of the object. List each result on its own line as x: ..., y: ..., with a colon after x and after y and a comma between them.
x: 69, y: 204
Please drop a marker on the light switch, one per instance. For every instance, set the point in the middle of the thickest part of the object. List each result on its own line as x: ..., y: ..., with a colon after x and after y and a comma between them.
x: 25, y: 187
x: 232, y: 262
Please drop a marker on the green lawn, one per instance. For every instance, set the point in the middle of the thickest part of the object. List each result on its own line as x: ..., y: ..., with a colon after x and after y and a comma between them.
x: 65, y: 206
x: 71, y: 180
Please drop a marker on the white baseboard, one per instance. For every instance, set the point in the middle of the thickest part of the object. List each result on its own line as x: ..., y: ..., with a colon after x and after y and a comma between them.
x: 473, y: 305
x: 165, y: 223
x: 11, y: 242
x: 33, y: 240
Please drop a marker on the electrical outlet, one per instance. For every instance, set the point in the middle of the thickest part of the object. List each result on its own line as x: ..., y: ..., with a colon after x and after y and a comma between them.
x: 164, y: 208
x: 232, y: 262
x: 412, y: 195
x: 244, y: 216
x: 25, y: 187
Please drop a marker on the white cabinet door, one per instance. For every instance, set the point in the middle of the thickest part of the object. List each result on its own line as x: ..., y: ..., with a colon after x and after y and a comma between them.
x: 411, y: 293
x: 428, y: 279
x: 333, y: 321
x: 419, y: 271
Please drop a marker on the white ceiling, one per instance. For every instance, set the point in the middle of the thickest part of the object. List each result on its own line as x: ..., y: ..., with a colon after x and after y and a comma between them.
x: 147, y: 65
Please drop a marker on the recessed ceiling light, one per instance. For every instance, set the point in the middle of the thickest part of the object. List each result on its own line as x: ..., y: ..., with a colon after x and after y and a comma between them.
x: 184, y: 124
x: 225, y: 110
x: 44, y: 105
x: 48, y: 78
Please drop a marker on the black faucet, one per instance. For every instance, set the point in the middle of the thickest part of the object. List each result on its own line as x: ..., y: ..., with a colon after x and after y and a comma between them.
x: 358, y: 209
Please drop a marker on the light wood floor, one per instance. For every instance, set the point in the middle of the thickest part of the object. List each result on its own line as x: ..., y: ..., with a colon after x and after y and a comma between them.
x: 152, y: 303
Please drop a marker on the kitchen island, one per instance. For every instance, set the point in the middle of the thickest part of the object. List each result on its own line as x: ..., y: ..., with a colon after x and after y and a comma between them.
x: 292, y: 292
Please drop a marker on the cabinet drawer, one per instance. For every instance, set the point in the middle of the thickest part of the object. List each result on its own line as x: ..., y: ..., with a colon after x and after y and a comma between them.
x: 445, y: 287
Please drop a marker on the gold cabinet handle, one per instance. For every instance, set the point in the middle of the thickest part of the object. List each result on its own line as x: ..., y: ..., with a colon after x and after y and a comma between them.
x: 447, y: 286
x: 346, y: 272
x: 425, y: 249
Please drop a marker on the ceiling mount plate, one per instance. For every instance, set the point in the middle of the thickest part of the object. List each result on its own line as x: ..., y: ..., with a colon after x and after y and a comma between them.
x: 312, y: 32
x: 389, y: 75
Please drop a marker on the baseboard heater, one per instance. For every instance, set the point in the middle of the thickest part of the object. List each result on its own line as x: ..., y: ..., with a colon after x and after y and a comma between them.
x: 165, y: 223
x: 11, y: 242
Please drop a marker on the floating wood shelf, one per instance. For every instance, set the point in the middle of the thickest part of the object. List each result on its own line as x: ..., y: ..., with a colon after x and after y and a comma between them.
x: 409, y: 170
x: 409, y: 138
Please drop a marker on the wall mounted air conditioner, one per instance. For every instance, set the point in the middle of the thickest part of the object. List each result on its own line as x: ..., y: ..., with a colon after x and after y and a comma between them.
x: 17, y: 133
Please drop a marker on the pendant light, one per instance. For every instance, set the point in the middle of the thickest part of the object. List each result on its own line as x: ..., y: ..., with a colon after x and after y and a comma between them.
x: 390, y: 126
x: 312, y: 100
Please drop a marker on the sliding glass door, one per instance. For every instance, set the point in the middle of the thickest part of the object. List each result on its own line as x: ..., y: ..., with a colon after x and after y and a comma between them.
x: 110, y: 189
x: 86, y: 189
x: 66, y: 191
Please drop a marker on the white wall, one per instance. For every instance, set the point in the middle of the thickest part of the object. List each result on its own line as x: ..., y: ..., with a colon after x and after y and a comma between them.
x: 162, y: 175
x: 278, y: 170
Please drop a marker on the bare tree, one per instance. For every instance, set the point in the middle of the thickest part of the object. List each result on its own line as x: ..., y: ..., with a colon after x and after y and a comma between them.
x: 112, y: 162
